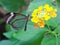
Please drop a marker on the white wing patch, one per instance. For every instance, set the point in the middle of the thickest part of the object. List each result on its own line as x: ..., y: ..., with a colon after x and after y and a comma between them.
x: 9, y: 18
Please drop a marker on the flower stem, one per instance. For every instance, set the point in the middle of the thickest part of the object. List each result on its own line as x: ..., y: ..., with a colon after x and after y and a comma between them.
x: 56, y: 39
x: 48, y: 26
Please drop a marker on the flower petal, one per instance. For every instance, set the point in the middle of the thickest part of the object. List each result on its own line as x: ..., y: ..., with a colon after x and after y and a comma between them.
x: 53, y: 15
x: 34, y: 12
x: 47, y: 17
x: 36, y: 25
x: 41, y: 24
x: 35, y: 20
x: 40, y: 8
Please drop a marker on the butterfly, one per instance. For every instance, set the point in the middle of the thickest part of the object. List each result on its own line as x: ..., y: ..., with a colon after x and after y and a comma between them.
x: 16, y: 20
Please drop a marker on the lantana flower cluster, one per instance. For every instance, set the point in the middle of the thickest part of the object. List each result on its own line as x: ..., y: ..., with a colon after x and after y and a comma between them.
x: 42, y: 14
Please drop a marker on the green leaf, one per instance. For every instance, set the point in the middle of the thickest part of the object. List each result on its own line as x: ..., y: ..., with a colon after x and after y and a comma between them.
x: 10, y: 42
x: 12, y: 5
x: 10, y: 34
x: 50, y: 40
x: 57, y: 30
x: 24, y: 12
x: 5, y: 42
x: 31, y: 36
x: 52, y: 22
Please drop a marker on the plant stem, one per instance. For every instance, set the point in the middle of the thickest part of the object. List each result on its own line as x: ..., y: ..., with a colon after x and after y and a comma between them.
x: 48, y: 27
x: 56, y: 39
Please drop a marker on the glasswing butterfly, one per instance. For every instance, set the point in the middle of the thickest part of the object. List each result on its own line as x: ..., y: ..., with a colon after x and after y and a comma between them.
x: 16, y: 20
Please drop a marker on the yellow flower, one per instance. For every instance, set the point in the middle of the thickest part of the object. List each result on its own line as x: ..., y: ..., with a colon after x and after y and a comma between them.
x: 46, y: 6
x: 41, y: 24
x: 47, y: 17
x: 40, y: 8
x: 35, y: 20
x: 43, y: 13
x: 35, y: 12
x: 53, y: 13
